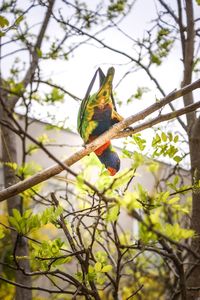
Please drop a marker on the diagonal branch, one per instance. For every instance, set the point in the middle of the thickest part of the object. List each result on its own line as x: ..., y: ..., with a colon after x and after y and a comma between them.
x: 169, y: 10
x: 110, y: 134
x: 159, y: 119
x: 37, y: 288
x: 58, y: 87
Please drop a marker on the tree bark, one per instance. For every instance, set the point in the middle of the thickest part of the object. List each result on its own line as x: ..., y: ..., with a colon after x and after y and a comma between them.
x: 20, y: 246
x: 193, y: 131
x: 194, y: 269
x: 9, y: 154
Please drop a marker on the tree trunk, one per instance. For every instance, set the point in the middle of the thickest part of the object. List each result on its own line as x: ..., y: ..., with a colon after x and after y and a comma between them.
x: 20, y: 246
x: 194, y: 268
x: 9, y: 154
x: 193, y: 130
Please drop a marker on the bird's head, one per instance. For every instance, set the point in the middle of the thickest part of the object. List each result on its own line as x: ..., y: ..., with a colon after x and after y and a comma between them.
x: 111, y: 161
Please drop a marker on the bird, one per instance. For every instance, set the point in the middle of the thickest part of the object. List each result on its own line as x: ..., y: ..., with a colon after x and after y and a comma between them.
x: 98, y: 114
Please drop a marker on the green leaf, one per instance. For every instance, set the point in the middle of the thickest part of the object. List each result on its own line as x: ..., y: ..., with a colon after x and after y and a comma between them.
x: 50, y: 215
x: 163, y: 32
x: 106, y: 268
x: 145, y: 235
x: 156, y: 140
x: 16, y: 214
x: 3, y: 22
x: 18, y: 20
x: 91, y: 273
x: 44, y: 139
x: 61, y: 261
x: 98, y: 267
x: 164, y: 137
x: 90, y: 269
x: 121, y: 179
x: 140, y: 142
x: 101, y: 256
x: 176, y: 232
x: 55, y: 96
x: 176, y: 180
x: 173, y: 200
x: 2, y: 234
x: 170, y: 136
x: 129, y: 201
x: 39, y: 52
x: 155, y: 218
x: 155, y: 59
x: 27, y: 214
x: 112, y: 214
x: 28, y: 169
x: 32, y: 148
x: 139, y: 93
x: 127, y: 153
x: 101, y: 278
x: 198, y: 2
x: 14, y: 223
x: 176, y: 138
x: 17, y: 88
x: 12, y: 165
x: 177, y: 158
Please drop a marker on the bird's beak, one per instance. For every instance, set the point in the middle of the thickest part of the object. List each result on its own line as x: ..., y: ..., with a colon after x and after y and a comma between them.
x: 112, y: 171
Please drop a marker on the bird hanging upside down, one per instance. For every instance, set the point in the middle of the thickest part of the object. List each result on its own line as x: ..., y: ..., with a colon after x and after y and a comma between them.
x: 97, y: 114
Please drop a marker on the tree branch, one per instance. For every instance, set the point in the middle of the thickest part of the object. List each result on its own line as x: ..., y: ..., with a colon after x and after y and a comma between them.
x: 189, y: 60
x: 159, y: 119
x: 169, y: 10
x: 110, y: 134
x: 58, y: 87
x: 37, y: 288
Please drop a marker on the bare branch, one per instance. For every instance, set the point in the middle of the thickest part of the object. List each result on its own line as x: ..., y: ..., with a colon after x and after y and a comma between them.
x: 58, y: 87
x: 169, y: 10
x: 37, y: 288
x: 159, y: 119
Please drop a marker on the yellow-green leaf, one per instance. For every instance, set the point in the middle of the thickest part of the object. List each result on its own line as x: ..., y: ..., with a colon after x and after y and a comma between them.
x: 97, y: 266
x: 173, y: 200
x: 112, y: 213
x: 164, y: 137
x: 39, y: 52
x: 90, y: 269
x: 18, y: 20
x: 3, y: 22
x: 106, y: 268
x: 2, y: 234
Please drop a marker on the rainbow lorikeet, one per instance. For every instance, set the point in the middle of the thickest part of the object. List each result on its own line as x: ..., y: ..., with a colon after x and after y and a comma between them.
x: 97, y: 114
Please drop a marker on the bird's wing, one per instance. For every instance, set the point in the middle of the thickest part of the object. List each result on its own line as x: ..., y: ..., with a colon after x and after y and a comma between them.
x: 115, y: 117
x: 84, y: 105
x: 101, y: 99
x: 105, y: 94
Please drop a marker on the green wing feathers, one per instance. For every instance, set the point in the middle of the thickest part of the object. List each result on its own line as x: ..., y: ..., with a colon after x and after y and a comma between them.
x: 87, y: 121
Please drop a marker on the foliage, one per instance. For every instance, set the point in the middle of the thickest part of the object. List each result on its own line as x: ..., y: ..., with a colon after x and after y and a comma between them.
x: 80, y: 237
x: 95, y: 232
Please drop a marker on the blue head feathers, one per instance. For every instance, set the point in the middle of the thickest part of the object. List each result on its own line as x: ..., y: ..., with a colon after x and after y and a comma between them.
x: 111, y: 160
